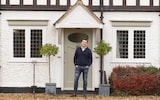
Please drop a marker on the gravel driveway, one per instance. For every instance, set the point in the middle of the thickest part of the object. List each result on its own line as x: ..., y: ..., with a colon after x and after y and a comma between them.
x: 28, y: 96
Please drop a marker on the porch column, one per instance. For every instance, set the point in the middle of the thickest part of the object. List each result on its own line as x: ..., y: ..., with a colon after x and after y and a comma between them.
x: 0, y: 37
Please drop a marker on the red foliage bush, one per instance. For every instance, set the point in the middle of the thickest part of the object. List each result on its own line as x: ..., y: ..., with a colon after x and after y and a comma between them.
x: 135, y: 81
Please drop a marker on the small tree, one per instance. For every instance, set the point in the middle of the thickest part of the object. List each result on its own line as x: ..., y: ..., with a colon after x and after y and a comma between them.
x: 102, y: 49
x: 48, y: 50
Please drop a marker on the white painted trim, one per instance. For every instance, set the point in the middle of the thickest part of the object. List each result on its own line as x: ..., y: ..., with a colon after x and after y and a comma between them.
x: 130, y: 55
x: 62, y: 61
x: 78, y: 26
x: 0, y: 37
x: 94, y: 32
x: 27, y: 58
x: 129, y: 23
x: 93, y: 57
x: 27, y: 22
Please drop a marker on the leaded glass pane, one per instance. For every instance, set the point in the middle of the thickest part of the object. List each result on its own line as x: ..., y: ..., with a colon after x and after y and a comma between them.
x: 139, y: 44
x: 18, y: 43
x: 122, y: 44
x: 36, y: 43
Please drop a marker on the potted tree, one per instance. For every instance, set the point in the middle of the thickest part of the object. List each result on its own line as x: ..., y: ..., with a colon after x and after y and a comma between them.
x: 102, y: 49
x: 49, y: 50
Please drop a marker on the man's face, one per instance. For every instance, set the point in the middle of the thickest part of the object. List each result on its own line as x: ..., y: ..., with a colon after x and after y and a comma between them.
x: 84, y: 43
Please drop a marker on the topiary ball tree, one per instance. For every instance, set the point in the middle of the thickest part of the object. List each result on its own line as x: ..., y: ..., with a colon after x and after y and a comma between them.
x: 49, y: 50
x: 102, y: 49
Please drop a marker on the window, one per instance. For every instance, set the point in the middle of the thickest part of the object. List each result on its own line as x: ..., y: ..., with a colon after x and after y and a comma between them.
x: 77, y: 37
x: 131, y: 44
x: 19, y: 43
x: 122, y: 44
x: 27, y: 42
x: 36, y: 43
x: 139, y: 44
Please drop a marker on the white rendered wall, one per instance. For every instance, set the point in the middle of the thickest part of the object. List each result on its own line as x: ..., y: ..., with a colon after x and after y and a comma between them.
x: 84, y: 1
x: 19, y: 74
x: 145, y: 2
x: 14, y: 2
x: 3, y: 1
x: 41, y: 2
x: 96, y: 2
x: 106, y: 2
x: 152, y: 38
x: 130, y: 2
x: 117, y: 2
x: 53, y: 2
x: 0, y: 38
x: 63, y: 2
x: 156, y: 2
x: 28, y: 2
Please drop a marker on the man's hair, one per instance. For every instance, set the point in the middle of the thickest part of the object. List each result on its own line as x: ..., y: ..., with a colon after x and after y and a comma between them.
x: 85, y: 39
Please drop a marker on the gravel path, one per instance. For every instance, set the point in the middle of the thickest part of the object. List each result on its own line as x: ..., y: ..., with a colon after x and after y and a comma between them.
x: 26, y: 96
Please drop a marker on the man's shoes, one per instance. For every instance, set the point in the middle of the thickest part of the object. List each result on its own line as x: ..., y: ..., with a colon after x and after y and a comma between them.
x: 73, y: 95
x: 84, y: 95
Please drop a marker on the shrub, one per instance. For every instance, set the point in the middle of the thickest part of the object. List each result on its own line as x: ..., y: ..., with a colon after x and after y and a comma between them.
x: 137, y: 80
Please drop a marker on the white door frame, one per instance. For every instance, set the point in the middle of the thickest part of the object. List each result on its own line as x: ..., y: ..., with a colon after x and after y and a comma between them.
x: 94, y: 69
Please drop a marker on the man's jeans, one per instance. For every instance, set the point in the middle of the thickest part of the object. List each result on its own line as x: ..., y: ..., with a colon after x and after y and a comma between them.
x: 78, y: 70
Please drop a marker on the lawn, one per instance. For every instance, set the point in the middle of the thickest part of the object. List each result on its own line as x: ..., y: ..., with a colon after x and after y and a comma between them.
x: 28, y: 96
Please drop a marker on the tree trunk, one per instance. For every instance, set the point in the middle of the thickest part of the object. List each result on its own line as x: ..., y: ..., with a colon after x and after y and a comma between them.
x: 49, y: 70
x: 102, y: 70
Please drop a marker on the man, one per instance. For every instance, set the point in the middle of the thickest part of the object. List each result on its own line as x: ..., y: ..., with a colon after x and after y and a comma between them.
x: 82, y: 61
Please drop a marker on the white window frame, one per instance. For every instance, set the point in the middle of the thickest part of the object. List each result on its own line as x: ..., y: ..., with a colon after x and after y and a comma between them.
x: 27, y: 57
x: 130, y: 44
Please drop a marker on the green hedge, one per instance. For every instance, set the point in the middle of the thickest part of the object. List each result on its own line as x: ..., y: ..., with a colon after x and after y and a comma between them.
x: 137, y: 80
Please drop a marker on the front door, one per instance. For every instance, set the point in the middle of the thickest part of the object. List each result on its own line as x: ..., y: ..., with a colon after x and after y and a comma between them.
x: 72, y: 39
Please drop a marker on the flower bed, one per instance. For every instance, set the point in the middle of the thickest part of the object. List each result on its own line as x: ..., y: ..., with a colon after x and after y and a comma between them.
x: 137, y: 80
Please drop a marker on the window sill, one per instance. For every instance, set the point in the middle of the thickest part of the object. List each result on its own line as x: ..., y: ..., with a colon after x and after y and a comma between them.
x: 131, y: 62
x: 25, y: 60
